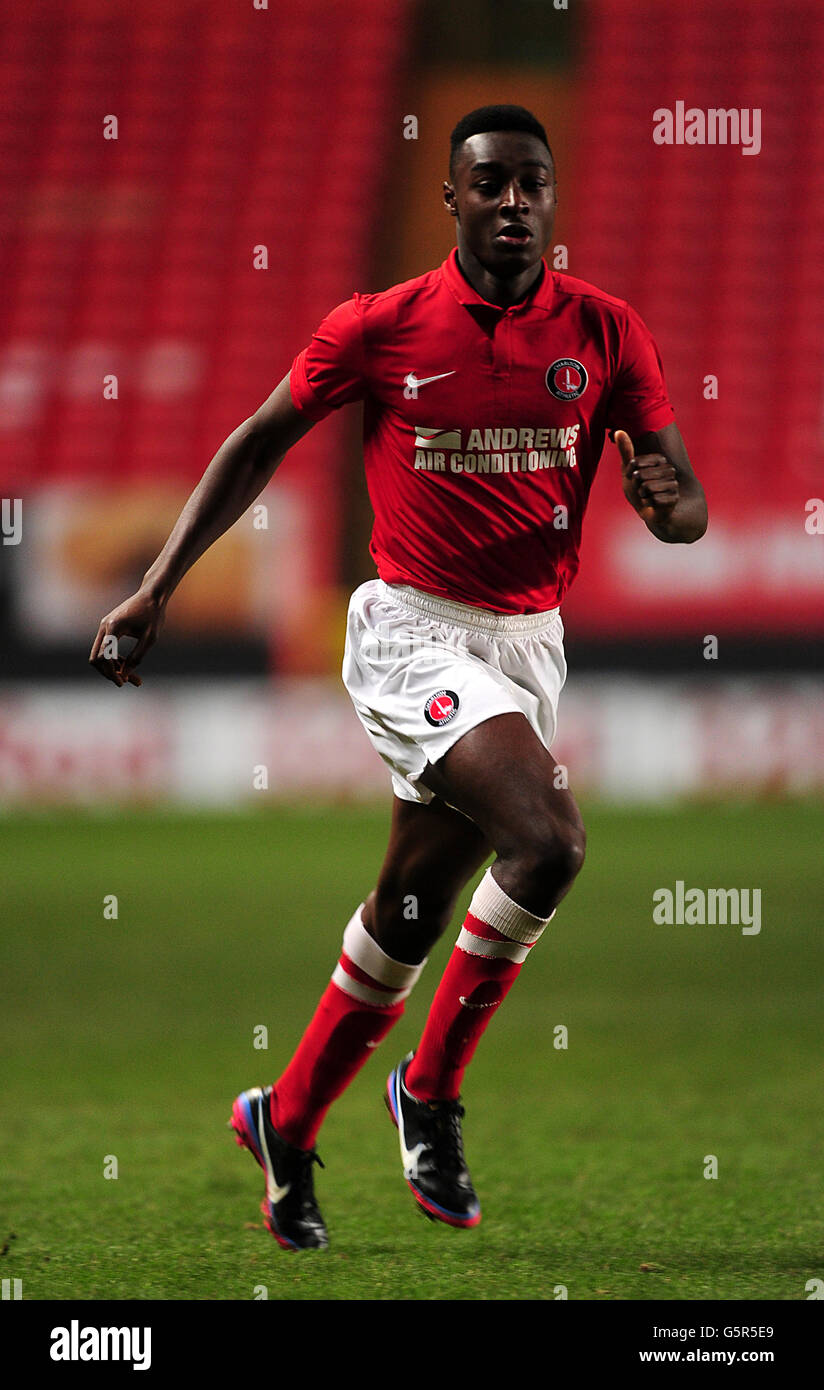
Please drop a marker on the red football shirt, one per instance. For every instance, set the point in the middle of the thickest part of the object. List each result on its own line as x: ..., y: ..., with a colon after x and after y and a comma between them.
x: 483, y: 426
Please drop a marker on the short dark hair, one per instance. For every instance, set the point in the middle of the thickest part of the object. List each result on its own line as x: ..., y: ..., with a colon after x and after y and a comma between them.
x: 486, y: 118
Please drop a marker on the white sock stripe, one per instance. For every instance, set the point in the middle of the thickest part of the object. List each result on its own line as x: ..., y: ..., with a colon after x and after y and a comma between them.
x: 381, y: 999
x: 479, y: 946
x: 491, y: 904
x: 364, y: 951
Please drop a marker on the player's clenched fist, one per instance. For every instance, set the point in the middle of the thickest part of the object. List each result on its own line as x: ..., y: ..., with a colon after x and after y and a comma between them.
x: 141, y: 616
x: 650, y: 481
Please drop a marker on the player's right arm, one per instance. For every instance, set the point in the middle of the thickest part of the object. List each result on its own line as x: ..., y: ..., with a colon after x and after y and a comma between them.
x: 237, y: 474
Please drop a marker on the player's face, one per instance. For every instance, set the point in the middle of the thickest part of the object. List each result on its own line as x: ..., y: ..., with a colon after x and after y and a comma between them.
x: 504, y: 197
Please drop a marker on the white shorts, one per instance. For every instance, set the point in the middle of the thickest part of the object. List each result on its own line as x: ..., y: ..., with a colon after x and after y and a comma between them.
x: 423, y: 671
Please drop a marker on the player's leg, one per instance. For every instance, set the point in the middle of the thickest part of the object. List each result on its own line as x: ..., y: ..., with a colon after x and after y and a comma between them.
x: 501, y: 775
x: 433, y: 851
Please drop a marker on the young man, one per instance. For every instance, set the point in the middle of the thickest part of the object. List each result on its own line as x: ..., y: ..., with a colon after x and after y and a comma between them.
x: 488, y: 386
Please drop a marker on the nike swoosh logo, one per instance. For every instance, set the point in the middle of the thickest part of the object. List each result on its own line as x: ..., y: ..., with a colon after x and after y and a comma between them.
x: 409, y: 1157
x: 416, y: 381
x: 463, y: 1000
x: 274, y: 1192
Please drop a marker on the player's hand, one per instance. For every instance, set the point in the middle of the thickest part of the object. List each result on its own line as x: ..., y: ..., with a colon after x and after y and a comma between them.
x: 650, y: 481
x: 140, y: 616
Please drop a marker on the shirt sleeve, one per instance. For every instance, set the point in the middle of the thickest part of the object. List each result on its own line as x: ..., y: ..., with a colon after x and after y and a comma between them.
x: 329, y: 372
x: 639, y: 399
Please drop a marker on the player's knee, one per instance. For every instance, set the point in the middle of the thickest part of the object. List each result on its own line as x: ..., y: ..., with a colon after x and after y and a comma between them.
x: 551, y: 854
x: 577, y: 845
x: 562, y: 851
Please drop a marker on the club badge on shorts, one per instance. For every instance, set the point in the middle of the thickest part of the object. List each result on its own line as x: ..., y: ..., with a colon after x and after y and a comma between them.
x: 441, y: 707
x: 566, y: 379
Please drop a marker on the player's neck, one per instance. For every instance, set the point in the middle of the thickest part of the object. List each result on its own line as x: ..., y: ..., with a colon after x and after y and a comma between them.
x: 490, y: 287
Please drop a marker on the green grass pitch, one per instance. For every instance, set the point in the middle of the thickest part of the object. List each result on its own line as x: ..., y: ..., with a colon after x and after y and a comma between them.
x: 130, y: 1038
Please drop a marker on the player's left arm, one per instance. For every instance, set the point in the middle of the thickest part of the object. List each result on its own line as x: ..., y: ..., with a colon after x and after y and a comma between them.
x: 660, y: 484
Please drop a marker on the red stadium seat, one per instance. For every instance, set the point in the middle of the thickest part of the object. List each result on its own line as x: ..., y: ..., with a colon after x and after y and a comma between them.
x: 726, y: 270
x: 147, y: 239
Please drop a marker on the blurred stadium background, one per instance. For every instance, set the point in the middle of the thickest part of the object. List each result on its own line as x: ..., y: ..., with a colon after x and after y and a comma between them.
x: 137, y: 331
x: 133, y: 258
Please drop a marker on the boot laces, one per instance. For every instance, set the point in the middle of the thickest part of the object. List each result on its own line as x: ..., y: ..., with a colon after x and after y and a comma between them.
x: 448, y: 1135
x: 304, y: 1177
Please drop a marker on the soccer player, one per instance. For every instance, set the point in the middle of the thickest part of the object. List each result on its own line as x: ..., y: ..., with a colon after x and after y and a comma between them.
x: 488, y: 386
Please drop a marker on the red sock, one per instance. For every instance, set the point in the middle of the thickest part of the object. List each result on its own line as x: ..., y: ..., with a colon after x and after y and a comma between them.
x: 491, y: 948
x: 363, y: 1000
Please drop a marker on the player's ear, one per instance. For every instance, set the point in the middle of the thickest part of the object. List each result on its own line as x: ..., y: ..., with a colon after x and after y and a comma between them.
x: 449, y: 198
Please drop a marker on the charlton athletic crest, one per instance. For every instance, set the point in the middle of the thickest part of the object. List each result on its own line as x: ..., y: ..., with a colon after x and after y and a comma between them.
x: 566, y: 379
x: 441, y: 707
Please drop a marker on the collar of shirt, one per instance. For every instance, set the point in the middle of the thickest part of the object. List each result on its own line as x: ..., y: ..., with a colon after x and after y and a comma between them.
x: 458, y: 285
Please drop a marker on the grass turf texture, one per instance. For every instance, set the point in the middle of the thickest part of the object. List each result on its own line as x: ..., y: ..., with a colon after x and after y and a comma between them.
x: 131, y: 1038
